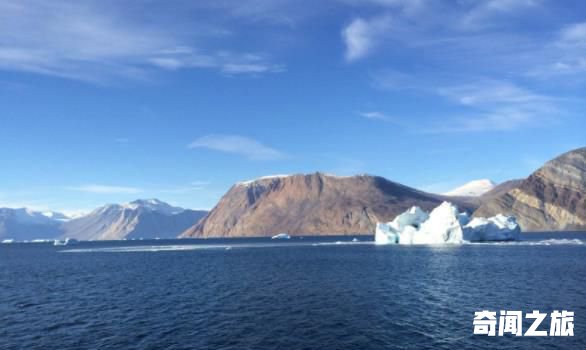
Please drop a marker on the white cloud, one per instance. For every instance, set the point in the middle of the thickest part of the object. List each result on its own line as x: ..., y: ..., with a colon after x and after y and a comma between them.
x: 362, y: 36
x: 93, y: 42
x: 226, y: 62
x: 375, y: 116
x: 480, y: 104
x: 244, y: 146
x: 574, y: 33
x: 497, y: 106
x: 106, y: 189
x: 485, y: 13
x: 384, y: 117
x: 487, y: 92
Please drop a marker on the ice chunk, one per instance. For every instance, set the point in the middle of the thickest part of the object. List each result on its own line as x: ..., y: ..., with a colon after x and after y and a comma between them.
x: 445, y: 224
x: 391, y: 232
x: 385, y: 234
x: 496, y: 228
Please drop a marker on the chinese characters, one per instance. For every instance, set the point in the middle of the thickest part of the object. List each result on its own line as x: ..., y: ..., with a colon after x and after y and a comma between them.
x: 511, y: 322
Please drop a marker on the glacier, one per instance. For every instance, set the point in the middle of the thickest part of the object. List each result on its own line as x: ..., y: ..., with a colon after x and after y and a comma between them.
x: 445, y: 225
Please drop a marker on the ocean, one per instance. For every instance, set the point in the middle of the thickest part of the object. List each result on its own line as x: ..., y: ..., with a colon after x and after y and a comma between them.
x: 303, y: 293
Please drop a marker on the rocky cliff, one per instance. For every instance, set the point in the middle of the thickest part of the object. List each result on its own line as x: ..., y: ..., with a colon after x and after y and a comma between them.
x: 552, y: 198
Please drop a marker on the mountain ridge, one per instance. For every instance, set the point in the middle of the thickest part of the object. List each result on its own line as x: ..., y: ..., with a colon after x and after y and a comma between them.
x: 310, y: 204
x: 553, y: 198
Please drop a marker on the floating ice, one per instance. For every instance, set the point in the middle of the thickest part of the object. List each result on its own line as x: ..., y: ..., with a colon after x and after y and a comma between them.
x: 496, y: 228
x: 445, y: 224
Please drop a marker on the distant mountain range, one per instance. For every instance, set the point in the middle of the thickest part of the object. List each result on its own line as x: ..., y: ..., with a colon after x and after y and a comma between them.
x: 139, y: 219
x: 552, y: 198
x: 25, y: 224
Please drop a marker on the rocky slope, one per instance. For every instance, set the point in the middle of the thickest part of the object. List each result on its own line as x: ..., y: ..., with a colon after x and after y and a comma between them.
x: 314, y: 204
x: 552, y: 198
x: 138, y: 219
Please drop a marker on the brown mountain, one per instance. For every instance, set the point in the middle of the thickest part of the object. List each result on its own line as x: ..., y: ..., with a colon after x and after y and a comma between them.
x: 552, y: 198
x: 314, y: 204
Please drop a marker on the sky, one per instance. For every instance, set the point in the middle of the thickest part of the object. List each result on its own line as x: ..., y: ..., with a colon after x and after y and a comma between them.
x: 109, y: 101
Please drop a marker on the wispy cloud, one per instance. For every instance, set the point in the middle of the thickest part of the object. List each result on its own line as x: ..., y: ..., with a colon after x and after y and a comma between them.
x: 240, y: 145
x: 482, y: 104
x: 382, y: 117
x: 574, y: 34
x: 191, y: 187
x: 106, y: 189
x: 93, y: 42
x: 226, y: 62
x: 497, y: 106
x: 362, y: 36
x: 375, y: 116
x: 485, y: 13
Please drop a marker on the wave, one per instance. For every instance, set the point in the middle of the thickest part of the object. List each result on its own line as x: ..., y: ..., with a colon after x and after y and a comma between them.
x: 192, y: 247
x: 545, y: 242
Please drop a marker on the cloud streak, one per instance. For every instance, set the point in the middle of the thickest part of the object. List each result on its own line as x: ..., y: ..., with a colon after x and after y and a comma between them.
x: 106, y: 189
x: 239, y: 145
x: 93, y: 42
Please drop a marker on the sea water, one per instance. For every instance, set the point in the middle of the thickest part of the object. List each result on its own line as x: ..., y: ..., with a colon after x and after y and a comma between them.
x: 310, y: 293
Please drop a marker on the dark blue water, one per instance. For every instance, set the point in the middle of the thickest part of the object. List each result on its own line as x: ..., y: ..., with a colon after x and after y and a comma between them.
x: 298, y: 294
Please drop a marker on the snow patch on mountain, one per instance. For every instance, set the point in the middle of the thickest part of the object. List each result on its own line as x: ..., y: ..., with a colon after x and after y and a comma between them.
x: 249, y: 182
x: 153, y: 205
x: 474, y: 188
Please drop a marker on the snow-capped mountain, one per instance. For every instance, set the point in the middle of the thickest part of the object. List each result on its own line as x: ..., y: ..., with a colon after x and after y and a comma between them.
x: 153, y: 205
x: 144, y: 218
x: 474, y: 188
x: 25, y: 224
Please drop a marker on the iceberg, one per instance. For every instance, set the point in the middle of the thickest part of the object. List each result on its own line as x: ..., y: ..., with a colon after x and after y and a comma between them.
x: 445, y: 225
x: 496, y: 228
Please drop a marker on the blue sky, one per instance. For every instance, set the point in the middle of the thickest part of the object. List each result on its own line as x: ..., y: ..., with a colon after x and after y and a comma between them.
x: 109, y: 101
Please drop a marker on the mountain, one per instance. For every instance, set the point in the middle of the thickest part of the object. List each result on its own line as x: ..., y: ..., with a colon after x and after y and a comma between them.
x: 139, y: 219
x: 500, y: 189
x: 25, y: 224
x: 552, y: 198
x: 314, y: 204
x: 474, y: 188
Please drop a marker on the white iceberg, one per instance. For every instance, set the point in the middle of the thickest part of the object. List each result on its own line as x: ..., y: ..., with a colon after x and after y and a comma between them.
x: 445, y: 224
x: 403, y: 225
x: 496, y: 228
